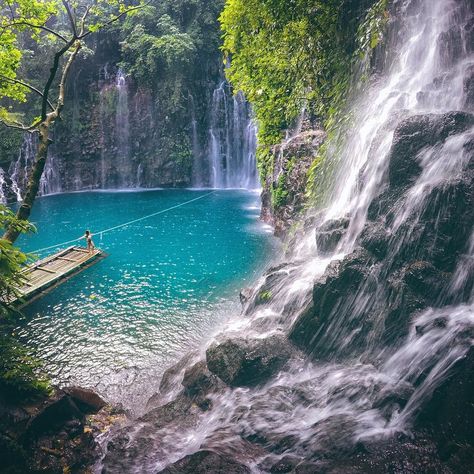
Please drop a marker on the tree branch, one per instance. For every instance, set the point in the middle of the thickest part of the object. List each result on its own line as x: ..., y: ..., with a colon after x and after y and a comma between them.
x: 64, y: 76
x: 83, y: 20
x: 72, y: 21
x: 52, y: 76
x: 28, y: 86
x: 39, y: 27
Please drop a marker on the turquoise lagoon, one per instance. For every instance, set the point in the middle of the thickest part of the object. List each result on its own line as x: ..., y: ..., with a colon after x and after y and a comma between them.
x: 168, y: 283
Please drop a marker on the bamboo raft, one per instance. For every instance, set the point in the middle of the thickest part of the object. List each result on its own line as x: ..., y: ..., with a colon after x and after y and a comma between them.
x: 51, y: 271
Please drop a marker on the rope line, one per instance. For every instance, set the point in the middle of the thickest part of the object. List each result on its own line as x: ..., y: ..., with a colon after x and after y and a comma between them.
x: 110, y: 229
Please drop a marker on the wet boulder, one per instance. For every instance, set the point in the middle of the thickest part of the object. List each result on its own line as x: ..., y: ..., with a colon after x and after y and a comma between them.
x: 248, y: 362
x: 332, y: 294
x: 87, y: 400
x: 172, y: 377
x: 245, y: 295
x: 413, y: 288
x: 204, y: 462
x: 375, y: 238
x: 198, y: 381
x: 414, y: 134
x: 400, y: 455
x: 449, y: 412
x: 274, y: 280
x: 330, y: 234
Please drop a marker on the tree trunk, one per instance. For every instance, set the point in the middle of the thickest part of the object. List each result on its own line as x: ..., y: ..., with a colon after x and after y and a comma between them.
x: 34, y: 179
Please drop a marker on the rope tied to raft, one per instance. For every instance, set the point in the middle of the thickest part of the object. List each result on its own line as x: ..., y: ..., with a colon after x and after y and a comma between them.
x: 134, y: 221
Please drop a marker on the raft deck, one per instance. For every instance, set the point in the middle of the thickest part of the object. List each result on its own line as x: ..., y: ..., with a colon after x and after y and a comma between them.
x: 51, y: 271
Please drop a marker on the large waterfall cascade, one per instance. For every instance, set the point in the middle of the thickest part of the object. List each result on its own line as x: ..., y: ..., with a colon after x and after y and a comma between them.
x: 312, y: 407
x: 233, y: 141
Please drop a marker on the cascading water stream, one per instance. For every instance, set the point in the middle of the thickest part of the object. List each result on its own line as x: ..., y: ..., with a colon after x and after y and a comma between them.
x: 312, y: 409
x: 232, y: 141
x: 2, y: 187
x: 19, y: 169
x: 122, y: 124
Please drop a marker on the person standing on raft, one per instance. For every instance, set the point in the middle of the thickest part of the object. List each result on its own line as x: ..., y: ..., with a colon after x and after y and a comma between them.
x: 88, y: 237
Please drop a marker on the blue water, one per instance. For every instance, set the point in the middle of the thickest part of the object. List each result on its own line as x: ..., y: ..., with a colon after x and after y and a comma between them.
x: 167, y: 284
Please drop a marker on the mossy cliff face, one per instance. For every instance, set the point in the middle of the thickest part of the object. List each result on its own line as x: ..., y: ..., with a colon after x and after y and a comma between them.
x: 284, y: 188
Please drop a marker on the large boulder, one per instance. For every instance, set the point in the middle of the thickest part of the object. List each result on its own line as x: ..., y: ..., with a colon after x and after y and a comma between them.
x: 198, y: 382
x: 332, y: 292
x: 205, y: 462
x: 448, y: 414
x: 248, y: 362
x: 53, y: 415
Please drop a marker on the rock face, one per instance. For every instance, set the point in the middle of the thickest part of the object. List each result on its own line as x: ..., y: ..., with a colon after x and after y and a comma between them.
x: 245, y: 363
x: 52, y: 435
x: 414, y: 134
x: 283, y: 196
x: 332, y: 293
x: 330, y: 234
x: 397, y: 272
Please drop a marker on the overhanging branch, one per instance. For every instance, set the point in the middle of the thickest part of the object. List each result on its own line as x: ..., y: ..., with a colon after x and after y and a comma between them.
x: 28, y: 86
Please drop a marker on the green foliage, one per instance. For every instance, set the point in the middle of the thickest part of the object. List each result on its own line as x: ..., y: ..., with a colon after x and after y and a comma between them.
x: 12, y: 259
x: 284, y: 56
x: 15, y: 22
x: 162, y: 41
x: 371, y: 30
x: 288, y: 55
x: 369, y: 35
x: 10, y: 143
x: 32, y: 33
x: 19, y: 372
x: 148, y: 55
x: 279, y: 193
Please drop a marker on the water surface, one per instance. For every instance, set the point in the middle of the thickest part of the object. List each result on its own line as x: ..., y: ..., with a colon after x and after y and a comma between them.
x: 167, y: 284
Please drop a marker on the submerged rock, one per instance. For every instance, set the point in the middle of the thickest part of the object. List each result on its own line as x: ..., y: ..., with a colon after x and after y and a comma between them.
x: 248, y: 362
x: 205, y: 462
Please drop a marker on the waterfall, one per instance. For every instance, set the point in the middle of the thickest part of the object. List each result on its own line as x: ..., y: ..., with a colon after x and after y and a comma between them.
x: 19, y: 169
x: 375, y: 349
x: 232, y: 141
x: 50, y: 182
x: 122, y: 125
x: 3, y: 198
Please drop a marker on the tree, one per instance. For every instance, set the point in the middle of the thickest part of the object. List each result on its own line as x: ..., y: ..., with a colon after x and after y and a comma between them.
x: 60, y: 27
